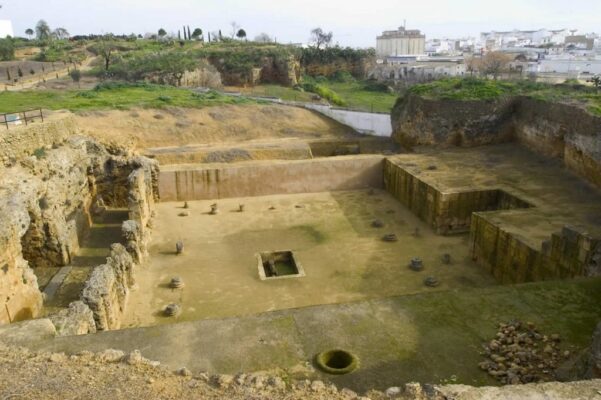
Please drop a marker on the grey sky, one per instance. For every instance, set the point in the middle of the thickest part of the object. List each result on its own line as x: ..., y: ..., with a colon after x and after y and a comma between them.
x: 354, y: 23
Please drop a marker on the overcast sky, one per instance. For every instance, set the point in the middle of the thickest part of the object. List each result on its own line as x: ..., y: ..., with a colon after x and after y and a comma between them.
x: 354, y: 23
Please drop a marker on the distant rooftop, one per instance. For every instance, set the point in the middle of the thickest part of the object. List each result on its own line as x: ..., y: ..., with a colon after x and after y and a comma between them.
x: 402, y: 32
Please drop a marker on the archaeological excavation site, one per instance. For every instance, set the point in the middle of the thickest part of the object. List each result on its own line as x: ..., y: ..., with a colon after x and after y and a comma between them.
x: 458, y: 256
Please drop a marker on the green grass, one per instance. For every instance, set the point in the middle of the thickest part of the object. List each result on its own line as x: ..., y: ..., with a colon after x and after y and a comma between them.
x: 358, y: 95
x: 282, y: 92
x: 482, y: 89
x: 354, y: 94
x: 113, y: 96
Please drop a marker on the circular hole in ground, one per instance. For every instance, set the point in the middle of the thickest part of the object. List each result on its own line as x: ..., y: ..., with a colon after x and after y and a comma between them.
x: 337, y: 362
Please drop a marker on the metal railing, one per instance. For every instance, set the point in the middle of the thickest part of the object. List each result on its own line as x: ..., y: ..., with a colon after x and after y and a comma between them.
x: 17, y: 118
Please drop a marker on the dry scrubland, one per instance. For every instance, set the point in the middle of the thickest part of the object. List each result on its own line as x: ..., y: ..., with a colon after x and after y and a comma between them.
x: 146, y: 128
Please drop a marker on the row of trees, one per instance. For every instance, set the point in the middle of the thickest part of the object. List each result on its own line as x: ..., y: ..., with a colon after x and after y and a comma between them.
x: 44, y: 33
x: 197, y: 34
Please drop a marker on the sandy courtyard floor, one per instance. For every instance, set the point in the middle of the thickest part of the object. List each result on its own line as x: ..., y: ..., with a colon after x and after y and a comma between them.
x: 331, y: 234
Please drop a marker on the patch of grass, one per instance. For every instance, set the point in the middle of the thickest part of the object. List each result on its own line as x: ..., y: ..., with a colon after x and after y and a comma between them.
x: 483, y: 89
x: 364, y: 96
x: 326, y: 93
x: 357, y: 94
x: 282, y: 92
x: 114, y: 96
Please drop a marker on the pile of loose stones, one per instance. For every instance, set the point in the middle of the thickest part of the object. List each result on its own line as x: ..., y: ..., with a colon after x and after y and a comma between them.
x: 521, y: 354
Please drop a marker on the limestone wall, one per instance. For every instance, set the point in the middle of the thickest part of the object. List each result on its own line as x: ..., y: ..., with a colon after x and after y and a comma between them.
x: 21, y: 141
x: 446, y: 213
x: 510, y: 259
x: 563, y: 131
x: 45, y: 203
x: 214, y: 181
x: 107, y: 289
x: 421, y: 121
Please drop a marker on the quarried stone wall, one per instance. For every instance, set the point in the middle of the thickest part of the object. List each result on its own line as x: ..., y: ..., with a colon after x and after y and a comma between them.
x: 107, y: 289
x: 46, y: 202
x: 511, y: 259
x: 420, y: 121
x: 260, y: 178
x: 558, y: 130
x: 446, y: 213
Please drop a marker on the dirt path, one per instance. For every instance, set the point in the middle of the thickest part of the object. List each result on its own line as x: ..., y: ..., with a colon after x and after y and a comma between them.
x: 48, y: 76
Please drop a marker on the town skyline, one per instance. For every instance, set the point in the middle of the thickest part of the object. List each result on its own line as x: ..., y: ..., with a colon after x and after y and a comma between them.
x: 354, y: 25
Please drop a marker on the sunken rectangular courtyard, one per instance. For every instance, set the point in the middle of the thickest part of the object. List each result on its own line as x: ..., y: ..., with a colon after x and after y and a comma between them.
x: 498, y: 231
x: 409, y: 261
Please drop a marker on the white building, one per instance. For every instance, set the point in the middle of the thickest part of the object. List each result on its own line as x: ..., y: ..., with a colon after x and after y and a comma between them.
x: 516, y: 38
x: 402, y: 42
x: 6, y: 28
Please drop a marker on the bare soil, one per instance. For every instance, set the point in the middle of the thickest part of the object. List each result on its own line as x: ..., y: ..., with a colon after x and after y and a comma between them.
x: 148, y: 128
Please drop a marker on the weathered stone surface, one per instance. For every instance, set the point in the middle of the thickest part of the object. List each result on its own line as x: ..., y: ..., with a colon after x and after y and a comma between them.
x: 78, y: 319
x: 27, y: 331
x: 107, y: 288
x: 563, y: 131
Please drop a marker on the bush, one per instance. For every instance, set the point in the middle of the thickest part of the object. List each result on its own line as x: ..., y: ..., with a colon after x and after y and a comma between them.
x: 343, y: 77
x: 325, y: 93
x: 7, y: 50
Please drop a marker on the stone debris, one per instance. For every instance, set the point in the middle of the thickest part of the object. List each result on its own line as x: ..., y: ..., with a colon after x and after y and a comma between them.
x: 376, y: 223
x: 184, y: 214
x: 214, y: 209
x: 416, y: 264
x: 111, y: 375
x: 241, y: 208
x: 179, y: 247
x: 186, y: 205
x: 176, y: 283
x: 431, y: 281
x: 446, y: 259
x: 390, y: 237
x: 172, y: 310
x: 134, y: 358
x: 519, y: 353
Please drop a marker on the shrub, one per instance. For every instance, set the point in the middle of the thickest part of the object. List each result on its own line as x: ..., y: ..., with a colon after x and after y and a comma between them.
x: 39, y: 153
x: 325, y: 93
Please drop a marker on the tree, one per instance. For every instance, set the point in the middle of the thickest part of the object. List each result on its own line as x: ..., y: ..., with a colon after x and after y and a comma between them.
x: 7, y: 50
x: 472, y: 65
x: 197, y: 33
x: 241, y: 34
x: 42, y: 30
x: 105, y: 48
x: 321, y: 38
x: 189, y: 35
x: 75, y: 75
x: 162, y: 33
x: 263, y: 38
x: 29, y: 32
x: 596, y: 81
x: 60, y: 33
x: 235, y: 28
x: 494, y: 62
